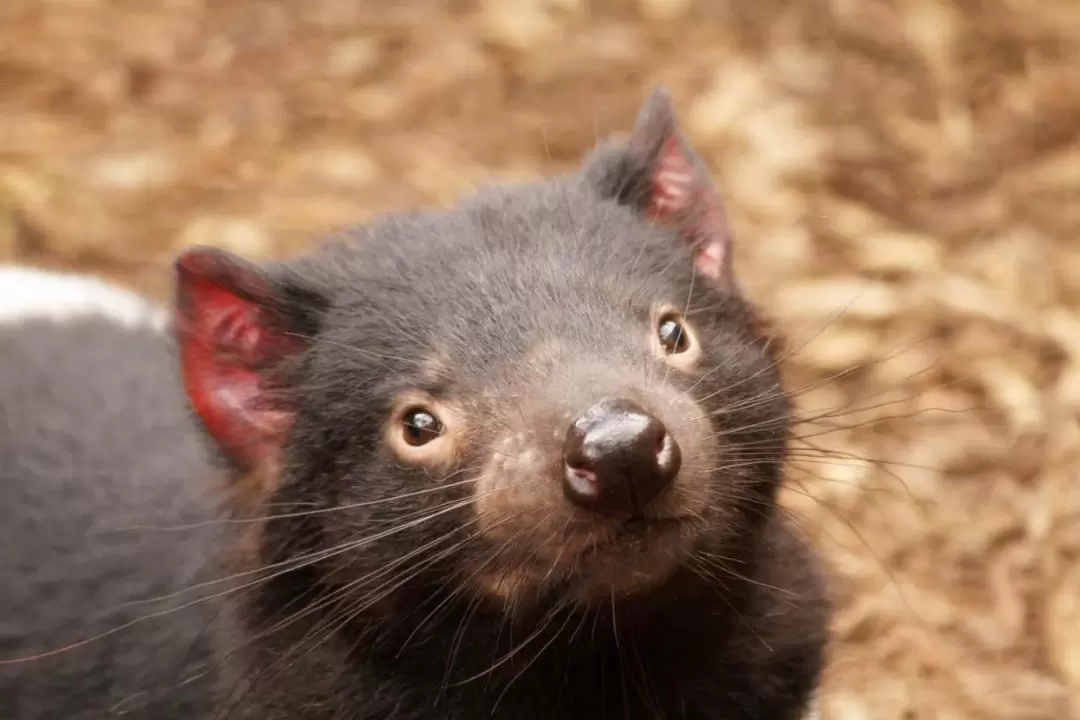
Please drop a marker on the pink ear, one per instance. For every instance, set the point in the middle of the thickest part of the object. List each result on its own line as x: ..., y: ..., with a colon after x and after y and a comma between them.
x: 230, y: 335
x: 679, y: 191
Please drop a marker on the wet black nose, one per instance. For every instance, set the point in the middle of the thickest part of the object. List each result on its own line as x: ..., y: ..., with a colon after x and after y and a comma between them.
x: 617, y: 458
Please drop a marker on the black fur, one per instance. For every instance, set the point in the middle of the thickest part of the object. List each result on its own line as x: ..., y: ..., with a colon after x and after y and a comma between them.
x: 530, y: 302
x: 94, y: 442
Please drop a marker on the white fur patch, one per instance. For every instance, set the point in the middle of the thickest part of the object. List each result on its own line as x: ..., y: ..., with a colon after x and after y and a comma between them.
x: 28, y: 293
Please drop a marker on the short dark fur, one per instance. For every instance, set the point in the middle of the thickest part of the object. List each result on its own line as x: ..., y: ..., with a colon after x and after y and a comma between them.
x: 94, y: 442
x: 523, y: 304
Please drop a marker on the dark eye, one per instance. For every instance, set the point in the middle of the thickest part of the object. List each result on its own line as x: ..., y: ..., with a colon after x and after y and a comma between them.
x: 672, y: 334
x: 420, y: 427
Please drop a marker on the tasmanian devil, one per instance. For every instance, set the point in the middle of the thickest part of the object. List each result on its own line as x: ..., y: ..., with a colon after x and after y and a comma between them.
x: 515, y: 459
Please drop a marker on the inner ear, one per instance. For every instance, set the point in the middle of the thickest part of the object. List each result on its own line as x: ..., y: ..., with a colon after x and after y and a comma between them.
x: 237, y: 326
x: 659, y: 174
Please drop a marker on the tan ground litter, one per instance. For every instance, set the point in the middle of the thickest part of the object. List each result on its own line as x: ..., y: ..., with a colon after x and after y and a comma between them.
x: 905, y: 182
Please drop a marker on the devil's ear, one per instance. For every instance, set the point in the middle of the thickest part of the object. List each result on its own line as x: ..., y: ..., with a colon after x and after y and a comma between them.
x: 659, y: 174
x: 237, y: 325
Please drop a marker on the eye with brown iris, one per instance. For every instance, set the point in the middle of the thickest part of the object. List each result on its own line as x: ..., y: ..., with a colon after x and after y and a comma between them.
x: 672, y: 335
x: 419, y: 427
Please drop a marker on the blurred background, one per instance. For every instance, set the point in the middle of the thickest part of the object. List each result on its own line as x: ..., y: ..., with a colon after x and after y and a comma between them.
x: 904, y: 181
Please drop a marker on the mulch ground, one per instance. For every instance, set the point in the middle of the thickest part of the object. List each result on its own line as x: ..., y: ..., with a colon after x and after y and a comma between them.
x: 904, y: 180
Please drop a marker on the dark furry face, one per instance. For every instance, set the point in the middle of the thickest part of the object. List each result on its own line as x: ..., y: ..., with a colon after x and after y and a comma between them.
x: 428, y: 371
x: 494, y: 328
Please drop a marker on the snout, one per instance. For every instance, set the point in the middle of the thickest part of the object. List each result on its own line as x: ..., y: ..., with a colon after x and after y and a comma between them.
x: 618, y: 458
x: 601, y: 483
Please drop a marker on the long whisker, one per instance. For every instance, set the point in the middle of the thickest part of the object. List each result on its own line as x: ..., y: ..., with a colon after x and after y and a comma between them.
x: 349, y: 614
x: 537, y: 632
x: 301, y: 561
x: 442, y: 487
x: 536, y: 656
x: 315, y: 557
x: 783, y: 357
x: 510, y: 517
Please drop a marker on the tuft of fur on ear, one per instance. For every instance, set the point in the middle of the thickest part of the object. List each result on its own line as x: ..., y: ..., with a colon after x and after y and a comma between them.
x: 236, y: 326
x: 657, y: 172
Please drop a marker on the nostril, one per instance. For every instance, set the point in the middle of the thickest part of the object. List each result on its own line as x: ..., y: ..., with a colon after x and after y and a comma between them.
x: 574, y: 452
x: 582, y: 469
x: 579, y: 466
x: 668, y: 459
x: 575, y: 458
x: 582, y: 484
x: 661, y: 442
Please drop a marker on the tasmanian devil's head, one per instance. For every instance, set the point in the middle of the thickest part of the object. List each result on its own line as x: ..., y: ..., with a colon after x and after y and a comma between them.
x: 552, y: 388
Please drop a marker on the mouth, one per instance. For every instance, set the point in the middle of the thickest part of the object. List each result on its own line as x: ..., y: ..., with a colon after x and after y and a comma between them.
x: 640, y: 535
x: 632, y: 558
x: 594, y: 564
